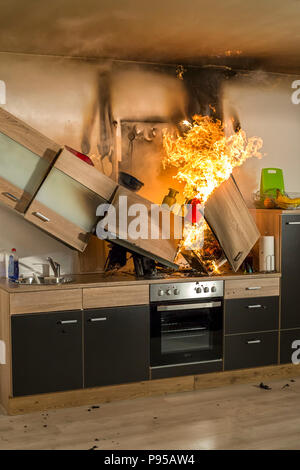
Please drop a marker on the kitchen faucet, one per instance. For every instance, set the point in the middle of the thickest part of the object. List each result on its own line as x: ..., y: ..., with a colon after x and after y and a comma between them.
x: 55, y: 266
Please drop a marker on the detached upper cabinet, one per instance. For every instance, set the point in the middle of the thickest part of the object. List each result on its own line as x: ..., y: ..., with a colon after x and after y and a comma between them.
x: 25, y: 158
x: 65, y: 205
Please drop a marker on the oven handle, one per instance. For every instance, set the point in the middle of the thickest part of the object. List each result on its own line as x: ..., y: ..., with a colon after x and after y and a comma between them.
x: 168, y: 308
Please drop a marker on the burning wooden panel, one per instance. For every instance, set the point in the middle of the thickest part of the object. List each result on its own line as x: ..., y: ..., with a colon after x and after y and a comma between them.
x: 230, y: 220
x: 162, y: 249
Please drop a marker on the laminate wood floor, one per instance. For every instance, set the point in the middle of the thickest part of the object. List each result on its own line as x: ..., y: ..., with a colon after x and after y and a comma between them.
x: 232, y: 417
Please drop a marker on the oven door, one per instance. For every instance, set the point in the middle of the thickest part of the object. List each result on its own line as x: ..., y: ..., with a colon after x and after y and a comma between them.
x: 186, y: 332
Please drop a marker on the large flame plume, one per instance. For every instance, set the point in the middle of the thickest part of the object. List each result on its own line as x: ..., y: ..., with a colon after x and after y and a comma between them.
x: 205, y: 157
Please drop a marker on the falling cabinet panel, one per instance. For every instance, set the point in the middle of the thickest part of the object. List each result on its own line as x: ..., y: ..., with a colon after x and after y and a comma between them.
x: 25, y: 158
x: 66, y: 203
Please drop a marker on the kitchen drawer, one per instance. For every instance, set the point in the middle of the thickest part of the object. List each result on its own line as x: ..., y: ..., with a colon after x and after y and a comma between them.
x: 251, y: 350
x: 117, y: 296
x: 245, y: 288
x: 251, y: 314
x: 46, y: 301
x: 287, y: 337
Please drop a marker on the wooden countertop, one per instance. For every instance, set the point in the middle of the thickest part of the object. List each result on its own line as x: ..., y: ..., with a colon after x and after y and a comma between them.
x: 101, y: 280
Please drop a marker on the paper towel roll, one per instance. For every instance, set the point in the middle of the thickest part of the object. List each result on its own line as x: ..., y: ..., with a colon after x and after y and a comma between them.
x: 266, y: 254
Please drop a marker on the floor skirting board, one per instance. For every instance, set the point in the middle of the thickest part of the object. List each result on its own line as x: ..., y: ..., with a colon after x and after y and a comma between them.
x: 91, y: 396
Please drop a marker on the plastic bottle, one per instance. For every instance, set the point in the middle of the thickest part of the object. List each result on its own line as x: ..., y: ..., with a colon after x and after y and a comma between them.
x: 13, y: 266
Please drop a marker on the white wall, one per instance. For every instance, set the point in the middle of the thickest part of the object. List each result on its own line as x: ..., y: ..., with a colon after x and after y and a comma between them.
x: 57, y: 96
x: 263, y: 104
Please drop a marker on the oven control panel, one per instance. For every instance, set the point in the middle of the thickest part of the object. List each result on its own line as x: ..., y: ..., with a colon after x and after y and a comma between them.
x: 185, y: 291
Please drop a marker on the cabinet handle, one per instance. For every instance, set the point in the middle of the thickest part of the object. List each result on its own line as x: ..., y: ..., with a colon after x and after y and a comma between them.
x: 97, y: 319
x: 66, y: 322
x: 11, y: 196
x: 41, y: 216
x: 293, y: 223
x: 254, y: 341
x: 253, y: 288
x: 256, y: 306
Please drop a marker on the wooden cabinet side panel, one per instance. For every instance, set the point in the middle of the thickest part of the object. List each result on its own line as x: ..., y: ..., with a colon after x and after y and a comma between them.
x: 46, y: 301
x: 5, y: 347
x: 269, y: 224
x: 115, y: 296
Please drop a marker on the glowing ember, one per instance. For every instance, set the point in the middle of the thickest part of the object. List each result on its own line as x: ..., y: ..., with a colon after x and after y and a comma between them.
x: 205, y: 157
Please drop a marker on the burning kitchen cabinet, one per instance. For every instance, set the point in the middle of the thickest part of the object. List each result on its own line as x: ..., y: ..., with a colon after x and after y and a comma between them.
x: 159, y: 233
x: 230, y: 220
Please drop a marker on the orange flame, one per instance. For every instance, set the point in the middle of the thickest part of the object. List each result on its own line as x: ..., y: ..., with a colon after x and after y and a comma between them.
x: 205, y: 157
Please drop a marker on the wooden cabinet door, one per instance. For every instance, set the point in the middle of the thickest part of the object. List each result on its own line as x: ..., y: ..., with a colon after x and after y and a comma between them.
x: 116, y: 345
x: 25, y: 158
x: 65, y: 208
x: 290, y: 261
x: 66, y: 203
x: 230, y: 220
x: 46, y: 352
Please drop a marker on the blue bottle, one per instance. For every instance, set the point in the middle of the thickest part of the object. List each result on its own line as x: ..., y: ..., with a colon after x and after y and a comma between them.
x: 13, y: 266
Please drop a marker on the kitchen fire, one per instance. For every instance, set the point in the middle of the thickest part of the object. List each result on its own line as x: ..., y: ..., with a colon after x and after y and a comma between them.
x: 150, y: 217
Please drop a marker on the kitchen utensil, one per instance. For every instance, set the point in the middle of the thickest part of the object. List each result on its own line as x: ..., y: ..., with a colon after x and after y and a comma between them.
x: 130, y: 182
x: 271, y: 180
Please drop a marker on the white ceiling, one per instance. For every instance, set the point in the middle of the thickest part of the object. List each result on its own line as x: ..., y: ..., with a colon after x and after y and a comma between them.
x: 256, y: 33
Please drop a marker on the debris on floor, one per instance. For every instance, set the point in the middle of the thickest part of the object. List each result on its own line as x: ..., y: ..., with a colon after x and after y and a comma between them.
x: 264, y: 386
x: 285, y: 386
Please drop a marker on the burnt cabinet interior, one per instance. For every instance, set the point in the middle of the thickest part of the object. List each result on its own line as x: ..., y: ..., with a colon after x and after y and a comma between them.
x: 116, y: 345
x: 46, y: 352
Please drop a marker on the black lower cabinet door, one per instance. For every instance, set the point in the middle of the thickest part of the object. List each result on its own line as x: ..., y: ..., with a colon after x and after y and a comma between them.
x: 47, y: 352
x: 251, y: 350
x: 289, y: 346
x: 116, y: 345
x: 290, y: 255
x: 254, y: 314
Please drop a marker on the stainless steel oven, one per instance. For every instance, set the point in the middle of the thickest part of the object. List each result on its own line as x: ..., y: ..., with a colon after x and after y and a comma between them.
x: 186, y: 324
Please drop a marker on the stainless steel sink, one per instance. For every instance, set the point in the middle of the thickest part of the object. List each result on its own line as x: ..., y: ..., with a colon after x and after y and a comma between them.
x: 51, y: 280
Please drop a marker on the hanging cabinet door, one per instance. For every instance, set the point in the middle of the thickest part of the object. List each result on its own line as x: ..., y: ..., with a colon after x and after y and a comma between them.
x: 229, y: 218
x: 25, y: 158
x: 65, y: 205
